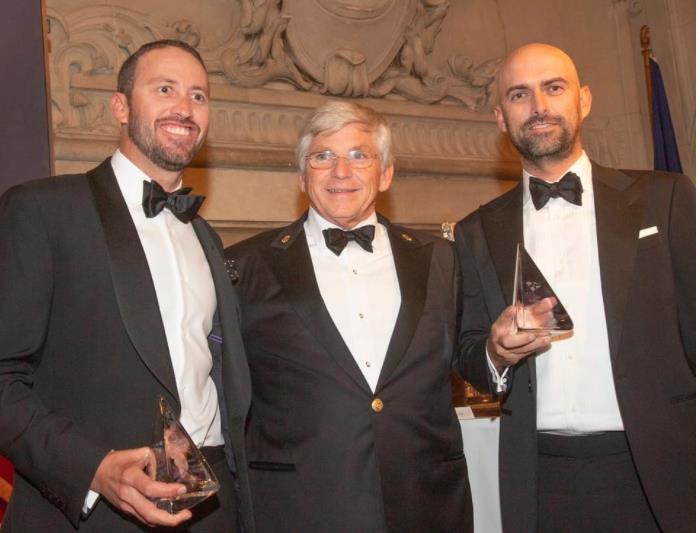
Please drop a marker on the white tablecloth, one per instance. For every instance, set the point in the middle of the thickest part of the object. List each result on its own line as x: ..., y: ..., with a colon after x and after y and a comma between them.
x: 480, y: 436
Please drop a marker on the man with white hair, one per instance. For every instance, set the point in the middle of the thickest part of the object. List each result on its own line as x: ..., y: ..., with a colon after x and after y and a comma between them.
x: 348, y: 323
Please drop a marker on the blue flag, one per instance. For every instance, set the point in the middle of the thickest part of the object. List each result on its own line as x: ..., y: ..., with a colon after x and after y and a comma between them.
x: 665, y: 147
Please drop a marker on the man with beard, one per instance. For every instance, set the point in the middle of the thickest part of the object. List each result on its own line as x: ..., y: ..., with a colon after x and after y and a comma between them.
x: 592, y: 421
x: 114, y: 293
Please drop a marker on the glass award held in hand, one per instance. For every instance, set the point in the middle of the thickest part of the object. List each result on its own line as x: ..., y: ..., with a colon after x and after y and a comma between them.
x: 537, y: 307
x: 178, y: 460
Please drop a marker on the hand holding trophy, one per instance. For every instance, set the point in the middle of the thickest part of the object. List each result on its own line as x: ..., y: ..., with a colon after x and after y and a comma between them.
x: 538, y: 309
x: 176, y: 459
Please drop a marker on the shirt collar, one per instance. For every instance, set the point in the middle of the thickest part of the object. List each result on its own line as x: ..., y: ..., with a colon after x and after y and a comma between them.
x: 315, y: 224
x: 130, y: 179
x: 581, y: 167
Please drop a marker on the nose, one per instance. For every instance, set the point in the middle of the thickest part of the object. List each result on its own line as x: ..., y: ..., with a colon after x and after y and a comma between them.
x: 342, y: 168
x: 183, y: 107
x: 539, y: 103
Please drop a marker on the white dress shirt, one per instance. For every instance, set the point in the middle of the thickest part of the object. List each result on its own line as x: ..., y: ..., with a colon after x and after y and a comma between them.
x: 575, y: 387
x: 186, y: 299
x: 187, y: 302
x: 360, y: 290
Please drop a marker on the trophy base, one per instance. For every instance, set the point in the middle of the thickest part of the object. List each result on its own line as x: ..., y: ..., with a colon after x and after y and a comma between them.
x: 545, y: 331
x: 184, y: 501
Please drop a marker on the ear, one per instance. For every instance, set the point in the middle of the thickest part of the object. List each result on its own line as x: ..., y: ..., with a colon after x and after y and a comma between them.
x: 120, y: 108
x: 585, y: 101
x: 302, y: 183
x: 385, y: 178
x: 498, y: 113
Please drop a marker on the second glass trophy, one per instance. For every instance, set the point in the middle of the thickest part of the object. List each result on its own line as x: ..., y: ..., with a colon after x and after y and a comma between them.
x: 538, y: 309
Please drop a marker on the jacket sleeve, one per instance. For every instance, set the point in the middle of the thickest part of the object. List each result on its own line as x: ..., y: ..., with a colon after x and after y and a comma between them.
x: 45, y: 447
x: 474, y: 319
x: 682, y: 246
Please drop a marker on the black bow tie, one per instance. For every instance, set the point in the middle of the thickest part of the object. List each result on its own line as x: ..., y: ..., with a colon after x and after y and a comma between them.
x: 337, y: 239
x: 569, y: 188
x: 155, y: 199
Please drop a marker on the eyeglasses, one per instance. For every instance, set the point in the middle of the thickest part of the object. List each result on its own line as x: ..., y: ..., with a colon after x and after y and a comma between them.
x: 357, y: 159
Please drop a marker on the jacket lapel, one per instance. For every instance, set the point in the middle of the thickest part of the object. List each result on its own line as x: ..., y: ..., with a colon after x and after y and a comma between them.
x: 133, y: 286
x: 502, y: 221
x: 290, y: 261
x: 412, y: 261
x: 234, y: 364
x: 620, y: 201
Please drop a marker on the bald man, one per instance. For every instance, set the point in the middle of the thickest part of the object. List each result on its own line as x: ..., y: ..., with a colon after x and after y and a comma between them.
x: 598, y: 426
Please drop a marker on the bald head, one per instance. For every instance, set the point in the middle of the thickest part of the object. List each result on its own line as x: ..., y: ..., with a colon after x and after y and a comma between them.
x: 541, y: 105
x: 534, y: 58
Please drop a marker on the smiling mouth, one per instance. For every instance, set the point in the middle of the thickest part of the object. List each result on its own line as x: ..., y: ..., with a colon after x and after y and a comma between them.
x: 335, y: 190
x: 177, y: 130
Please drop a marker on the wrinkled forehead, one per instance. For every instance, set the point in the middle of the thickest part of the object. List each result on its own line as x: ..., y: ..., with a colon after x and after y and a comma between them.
x: 535, y: 64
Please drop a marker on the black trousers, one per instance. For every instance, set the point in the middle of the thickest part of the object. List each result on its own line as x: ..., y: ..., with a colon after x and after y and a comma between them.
x: 589, y: 484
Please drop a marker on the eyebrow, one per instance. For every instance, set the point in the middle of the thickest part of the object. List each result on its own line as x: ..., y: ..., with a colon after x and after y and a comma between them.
x: 522, y: 86
x: 555, y: 80
x: 175, y: 82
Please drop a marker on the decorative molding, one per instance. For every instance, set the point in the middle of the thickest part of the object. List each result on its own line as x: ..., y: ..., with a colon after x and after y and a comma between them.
x: 256, y: 126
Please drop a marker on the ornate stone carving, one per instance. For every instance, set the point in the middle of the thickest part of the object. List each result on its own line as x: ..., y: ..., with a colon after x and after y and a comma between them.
x: 353, y: 48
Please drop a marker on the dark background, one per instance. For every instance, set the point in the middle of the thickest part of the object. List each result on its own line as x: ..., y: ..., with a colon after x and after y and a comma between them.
x: 24, y: 124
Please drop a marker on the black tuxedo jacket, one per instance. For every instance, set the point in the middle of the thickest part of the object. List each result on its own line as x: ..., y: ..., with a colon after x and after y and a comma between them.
x: 83, y: 353
x: 649, y: 298
x: 321, y: 458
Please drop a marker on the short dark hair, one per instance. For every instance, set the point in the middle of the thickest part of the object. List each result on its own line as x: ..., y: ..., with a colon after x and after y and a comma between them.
x: 125, y: 79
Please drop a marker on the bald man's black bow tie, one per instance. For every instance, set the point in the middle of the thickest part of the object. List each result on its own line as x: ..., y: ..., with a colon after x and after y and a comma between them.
x: 337, y: 239
x: 569, y: 188
x: 182, y: 205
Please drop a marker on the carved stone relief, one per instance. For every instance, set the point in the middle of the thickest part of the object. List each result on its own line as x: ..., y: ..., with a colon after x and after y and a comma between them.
x: 354, y: 48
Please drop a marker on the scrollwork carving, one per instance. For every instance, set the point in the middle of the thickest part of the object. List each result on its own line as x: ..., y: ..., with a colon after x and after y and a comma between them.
x: 263, y: 52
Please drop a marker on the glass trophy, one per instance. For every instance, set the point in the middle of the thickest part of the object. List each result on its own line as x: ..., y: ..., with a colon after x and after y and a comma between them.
x: 178, y: 460
x: 537, y: 307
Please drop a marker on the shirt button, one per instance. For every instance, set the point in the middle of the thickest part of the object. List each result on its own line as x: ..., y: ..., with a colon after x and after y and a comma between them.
x: 377, y: 405
x: 361, y: 315
x: 354, y: 271
x: 368, y: 364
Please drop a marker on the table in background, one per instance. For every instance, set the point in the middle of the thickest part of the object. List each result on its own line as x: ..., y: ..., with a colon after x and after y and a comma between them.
x: 480, y: 436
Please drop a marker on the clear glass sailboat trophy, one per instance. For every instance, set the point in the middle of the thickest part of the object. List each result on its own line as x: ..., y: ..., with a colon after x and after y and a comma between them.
x: 178, y: 460
x: 538, y: 309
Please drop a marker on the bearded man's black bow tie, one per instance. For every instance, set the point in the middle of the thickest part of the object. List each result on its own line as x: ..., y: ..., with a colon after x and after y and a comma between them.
x: 337, y: 239
x: 569, y: 188
x: 182, y: 205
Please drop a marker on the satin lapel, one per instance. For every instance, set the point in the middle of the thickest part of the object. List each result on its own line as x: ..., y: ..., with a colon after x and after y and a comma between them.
x: 234, y: 363
x: 412, y: 261
x: 133, y: 286
x: 290, y: 261
x: 502, y: 221
x: 620, y: 201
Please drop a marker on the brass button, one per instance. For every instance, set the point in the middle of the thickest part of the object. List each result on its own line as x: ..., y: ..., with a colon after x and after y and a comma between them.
x: 377, y: 405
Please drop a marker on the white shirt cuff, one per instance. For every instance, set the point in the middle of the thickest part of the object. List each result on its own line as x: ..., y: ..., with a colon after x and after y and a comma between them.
x: 90, y: 501
x: 499, y: 380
